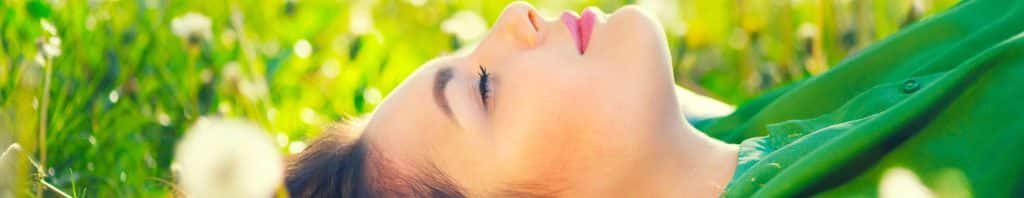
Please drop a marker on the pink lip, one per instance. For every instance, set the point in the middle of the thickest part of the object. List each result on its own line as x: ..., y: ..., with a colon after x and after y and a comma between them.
x: 580, y: 27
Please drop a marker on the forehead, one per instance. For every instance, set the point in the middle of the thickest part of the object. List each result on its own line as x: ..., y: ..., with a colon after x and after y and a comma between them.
x: 408, y: 119
x: 444, y: 61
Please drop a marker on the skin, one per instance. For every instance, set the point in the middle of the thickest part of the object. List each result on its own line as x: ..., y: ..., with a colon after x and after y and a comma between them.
x: 605, y: 123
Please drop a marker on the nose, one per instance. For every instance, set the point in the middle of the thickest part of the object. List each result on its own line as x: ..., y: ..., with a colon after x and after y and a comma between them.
x: 520, y: 22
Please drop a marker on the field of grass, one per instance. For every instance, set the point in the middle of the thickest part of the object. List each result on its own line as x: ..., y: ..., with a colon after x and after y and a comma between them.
x: 99, y: 92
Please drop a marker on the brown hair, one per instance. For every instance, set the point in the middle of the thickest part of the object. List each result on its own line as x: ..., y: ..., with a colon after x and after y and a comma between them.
x: 341, y: 164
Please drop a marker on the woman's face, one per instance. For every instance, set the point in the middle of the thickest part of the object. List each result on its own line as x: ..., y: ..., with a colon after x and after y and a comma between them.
x: 563, y: 99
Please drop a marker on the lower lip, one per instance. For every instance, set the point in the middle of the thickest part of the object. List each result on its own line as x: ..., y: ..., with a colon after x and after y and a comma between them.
x: 580, y: 27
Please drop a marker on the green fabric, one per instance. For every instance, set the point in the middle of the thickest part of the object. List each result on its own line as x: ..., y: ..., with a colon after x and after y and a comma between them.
x: 944, y: 99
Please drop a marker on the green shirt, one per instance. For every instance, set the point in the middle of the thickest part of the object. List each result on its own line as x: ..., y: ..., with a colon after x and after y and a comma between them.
x: 944, y: 99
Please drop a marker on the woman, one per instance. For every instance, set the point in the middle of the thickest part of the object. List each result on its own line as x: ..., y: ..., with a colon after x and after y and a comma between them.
x: 585, y: 106
x: 522, y: 114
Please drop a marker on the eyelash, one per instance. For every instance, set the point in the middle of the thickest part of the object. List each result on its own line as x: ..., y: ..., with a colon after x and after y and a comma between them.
x: 484, y: 85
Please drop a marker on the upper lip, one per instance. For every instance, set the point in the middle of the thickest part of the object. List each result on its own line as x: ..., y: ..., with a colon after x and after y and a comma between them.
x: 580, y: 27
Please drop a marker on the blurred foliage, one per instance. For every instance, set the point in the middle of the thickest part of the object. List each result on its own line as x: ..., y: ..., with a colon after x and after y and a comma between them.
x: 99, y: 91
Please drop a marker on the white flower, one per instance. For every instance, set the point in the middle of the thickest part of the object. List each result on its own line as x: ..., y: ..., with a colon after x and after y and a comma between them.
x: 51, y: 48
x: 360, y: 19
x: 48, y: 49
x: 193, y: 27
x: 228, y: 158
x: 467, y: 26
x: 48, y: 27
x: 302, y: 48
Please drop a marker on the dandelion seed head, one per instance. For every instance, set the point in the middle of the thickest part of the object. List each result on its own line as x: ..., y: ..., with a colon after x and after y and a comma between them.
x: 228, y: 158
x: 467, y: 26
x: 193, y: 27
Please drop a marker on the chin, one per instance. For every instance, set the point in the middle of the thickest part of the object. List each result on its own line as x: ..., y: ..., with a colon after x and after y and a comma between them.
x: 630, y: 36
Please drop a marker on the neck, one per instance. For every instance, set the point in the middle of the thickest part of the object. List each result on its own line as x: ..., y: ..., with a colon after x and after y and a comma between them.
x: 699, y: 166
x: 684, y: 163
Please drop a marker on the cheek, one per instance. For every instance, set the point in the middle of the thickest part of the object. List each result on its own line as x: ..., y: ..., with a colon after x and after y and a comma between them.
x: 553, y: 123
x: 545, y: 99
x: 549, y: 155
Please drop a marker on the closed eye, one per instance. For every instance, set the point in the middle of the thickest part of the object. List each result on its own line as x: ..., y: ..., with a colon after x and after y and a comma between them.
x: 484, y: 87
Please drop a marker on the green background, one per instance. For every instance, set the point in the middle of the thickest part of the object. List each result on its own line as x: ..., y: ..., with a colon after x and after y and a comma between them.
x: 125, y: 87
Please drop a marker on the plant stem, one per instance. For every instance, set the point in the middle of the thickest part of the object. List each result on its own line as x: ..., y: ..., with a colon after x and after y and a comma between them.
x: 41, y: 169
x: 52, y: 188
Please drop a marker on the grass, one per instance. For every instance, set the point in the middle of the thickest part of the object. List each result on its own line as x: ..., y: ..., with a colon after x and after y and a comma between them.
x: 103, y: 115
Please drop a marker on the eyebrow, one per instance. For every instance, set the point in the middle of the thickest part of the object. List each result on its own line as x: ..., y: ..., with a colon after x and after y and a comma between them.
x: 441, y: 79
